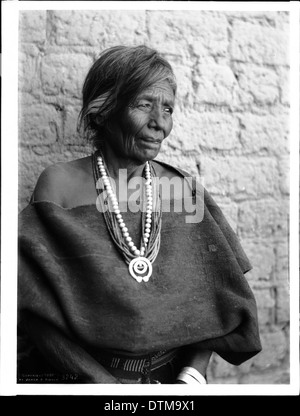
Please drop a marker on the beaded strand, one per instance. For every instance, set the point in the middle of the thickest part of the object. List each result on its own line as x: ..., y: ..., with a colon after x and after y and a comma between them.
x: 151, y: 218
x: 115, y: 205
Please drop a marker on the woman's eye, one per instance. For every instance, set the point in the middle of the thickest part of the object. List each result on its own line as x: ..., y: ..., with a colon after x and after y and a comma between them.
x: 168, y: 110
x: 144, y: 106
x: 148, y: 107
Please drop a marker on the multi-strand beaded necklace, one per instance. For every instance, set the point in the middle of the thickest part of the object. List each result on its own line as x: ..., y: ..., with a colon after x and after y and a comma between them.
x: 139, y: 259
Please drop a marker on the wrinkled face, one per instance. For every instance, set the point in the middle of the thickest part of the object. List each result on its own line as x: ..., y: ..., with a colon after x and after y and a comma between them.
x: 144, y: 124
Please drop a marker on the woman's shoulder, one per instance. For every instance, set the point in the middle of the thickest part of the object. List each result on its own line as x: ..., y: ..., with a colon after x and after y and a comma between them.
x: 178, y: 181
x: 166, y: 170
x: 58, y: 181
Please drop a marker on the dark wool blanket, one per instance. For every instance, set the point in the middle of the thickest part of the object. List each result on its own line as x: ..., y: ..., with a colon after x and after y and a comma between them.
x: 76, y: 296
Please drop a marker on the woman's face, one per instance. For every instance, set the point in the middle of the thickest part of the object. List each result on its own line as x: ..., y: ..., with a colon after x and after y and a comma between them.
x: 139, y: 133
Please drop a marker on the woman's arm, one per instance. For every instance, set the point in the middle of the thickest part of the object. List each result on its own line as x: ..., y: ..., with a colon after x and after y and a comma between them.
x: 196, y: 359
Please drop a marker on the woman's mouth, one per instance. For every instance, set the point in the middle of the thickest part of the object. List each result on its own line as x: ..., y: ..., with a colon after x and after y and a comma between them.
x: 150, y: 142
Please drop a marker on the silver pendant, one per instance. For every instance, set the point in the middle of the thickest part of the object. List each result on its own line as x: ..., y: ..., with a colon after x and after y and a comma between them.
x: 140, y: 269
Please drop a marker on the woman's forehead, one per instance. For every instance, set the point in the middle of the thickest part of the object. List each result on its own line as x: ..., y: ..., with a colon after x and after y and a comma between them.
x: 160, y: 90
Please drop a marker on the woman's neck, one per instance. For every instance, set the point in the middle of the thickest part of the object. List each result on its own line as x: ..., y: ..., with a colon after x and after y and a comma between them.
x: 115, y: 162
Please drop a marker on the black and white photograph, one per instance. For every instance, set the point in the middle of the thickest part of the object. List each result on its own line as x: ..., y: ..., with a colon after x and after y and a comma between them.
x: 153, y: 207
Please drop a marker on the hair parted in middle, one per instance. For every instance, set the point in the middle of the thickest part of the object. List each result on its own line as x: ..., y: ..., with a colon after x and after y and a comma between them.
x: 114, y: 81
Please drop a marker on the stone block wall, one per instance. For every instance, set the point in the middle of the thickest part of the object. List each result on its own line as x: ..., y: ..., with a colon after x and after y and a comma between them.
x: 230, y: 126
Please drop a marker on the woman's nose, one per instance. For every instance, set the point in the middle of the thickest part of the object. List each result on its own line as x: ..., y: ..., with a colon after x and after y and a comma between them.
x: 157, y: 119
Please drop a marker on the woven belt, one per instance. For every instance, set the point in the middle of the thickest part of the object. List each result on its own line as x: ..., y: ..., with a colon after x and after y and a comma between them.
x: 135, y: 364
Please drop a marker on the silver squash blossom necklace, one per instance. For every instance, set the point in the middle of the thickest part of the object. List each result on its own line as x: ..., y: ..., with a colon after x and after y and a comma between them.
x: 140, y: 259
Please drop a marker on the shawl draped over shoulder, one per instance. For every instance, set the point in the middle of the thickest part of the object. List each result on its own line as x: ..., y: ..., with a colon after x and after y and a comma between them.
x: 76, y: 296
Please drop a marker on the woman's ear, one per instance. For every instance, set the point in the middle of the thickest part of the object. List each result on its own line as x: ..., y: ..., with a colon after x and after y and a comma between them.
x: 111, y: 125
x: 98, y: 120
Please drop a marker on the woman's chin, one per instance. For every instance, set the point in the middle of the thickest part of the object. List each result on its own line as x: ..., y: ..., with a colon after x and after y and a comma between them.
x: 148, y: 156
x: 148, y: 153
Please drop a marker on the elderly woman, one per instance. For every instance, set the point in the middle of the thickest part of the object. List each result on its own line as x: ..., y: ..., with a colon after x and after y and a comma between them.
x: 115, y: 284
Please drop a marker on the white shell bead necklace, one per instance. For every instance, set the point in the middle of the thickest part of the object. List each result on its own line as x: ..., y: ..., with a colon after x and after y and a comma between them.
x: 140, y: 267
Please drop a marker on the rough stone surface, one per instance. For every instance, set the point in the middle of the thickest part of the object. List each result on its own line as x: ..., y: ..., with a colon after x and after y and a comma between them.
x: 282, y: 262
x: 40, y: 124
x: 258, y: 84
x: 260, y: 252
x: 217, y: 131
x: 231, y: 127
x: 215, y: 84
x: 282, y: 306
x: 178, y: 32
x: 249, y: 44
x: 265, y: 134
x: 274, y: 350
x: 33, y: 26
x: 263, y: 218
x: 241, y: 177
x: 72, y: 69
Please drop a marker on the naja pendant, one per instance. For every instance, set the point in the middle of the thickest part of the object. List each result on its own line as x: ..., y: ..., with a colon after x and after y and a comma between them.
x: 140, y: 269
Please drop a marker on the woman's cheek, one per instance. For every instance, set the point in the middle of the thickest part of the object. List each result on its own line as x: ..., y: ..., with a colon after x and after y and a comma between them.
x: 133, y: 123
x: 169, y: 128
